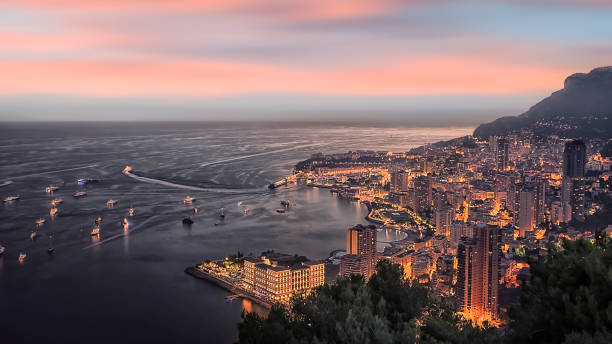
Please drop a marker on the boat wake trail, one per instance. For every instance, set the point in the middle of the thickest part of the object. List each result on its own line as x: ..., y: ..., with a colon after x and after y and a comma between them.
x: 55, y: 171
x: 186, y: 187
x: 260, y: 154
x: 120, y: 235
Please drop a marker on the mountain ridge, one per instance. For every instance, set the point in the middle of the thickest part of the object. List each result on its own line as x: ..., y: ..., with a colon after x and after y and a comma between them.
x: 583, y: 108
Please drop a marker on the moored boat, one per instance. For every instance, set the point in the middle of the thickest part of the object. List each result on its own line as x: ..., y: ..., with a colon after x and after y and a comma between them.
x: 79, y: 194
x: 95, y: 231
x: 54, y: 211
x: 51, y: 188
x: 11, y: 199
x: 56, y: 201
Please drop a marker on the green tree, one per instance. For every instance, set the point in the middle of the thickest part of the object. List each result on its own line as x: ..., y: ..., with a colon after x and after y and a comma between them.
x: 570, y: 292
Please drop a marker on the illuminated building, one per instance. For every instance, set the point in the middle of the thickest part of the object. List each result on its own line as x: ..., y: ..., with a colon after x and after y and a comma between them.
x: 399, y: 181
x: 443, y: 218
x: 353, y: 264
x: 423, y: 193
x: 361, y: 241
x: 526, y: 220
x: 501, y: 154
x: 281, y: 282
x: 478, y: 273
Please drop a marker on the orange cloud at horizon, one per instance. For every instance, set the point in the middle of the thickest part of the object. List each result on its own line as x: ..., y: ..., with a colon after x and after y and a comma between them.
x: 409, y: 76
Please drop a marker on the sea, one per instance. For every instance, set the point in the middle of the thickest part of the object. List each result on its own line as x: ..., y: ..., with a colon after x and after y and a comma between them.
x: 129, y: 285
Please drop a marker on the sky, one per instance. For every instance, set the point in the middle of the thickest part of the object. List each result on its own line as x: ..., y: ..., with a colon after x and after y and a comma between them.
x: 414, y: 61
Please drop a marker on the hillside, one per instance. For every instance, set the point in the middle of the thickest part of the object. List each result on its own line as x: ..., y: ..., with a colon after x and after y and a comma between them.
x: 583, y: 108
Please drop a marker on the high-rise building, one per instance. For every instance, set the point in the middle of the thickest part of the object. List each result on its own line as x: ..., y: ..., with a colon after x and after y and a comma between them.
x: 573, y: 188
x: 444, y: 215
x: 478, y: 262
x: 399, y: 181
x: 527, y: 209
x: 361, y: 241
x: 423, y: 193
x: 501, y: 154
x: 574, y: 159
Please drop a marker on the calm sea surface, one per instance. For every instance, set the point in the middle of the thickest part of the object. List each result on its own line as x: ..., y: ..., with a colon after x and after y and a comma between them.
x: 131, y: 287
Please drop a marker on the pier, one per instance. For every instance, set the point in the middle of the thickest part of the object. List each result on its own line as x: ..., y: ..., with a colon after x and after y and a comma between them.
x: 284, y: 181
x: 237, y: 291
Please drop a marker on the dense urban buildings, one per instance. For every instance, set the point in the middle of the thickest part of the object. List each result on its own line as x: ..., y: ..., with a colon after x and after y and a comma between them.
x: 474, y: 212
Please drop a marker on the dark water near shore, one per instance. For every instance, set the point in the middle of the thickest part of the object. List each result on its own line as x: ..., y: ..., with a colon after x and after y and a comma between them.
x: 131, y: 286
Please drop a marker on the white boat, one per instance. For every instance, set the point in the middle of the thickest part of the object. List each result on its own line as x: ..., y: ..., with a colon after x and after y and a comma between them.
x: 51, y: 188
x: 81, y: 181
x: 56, y: 201
x: 22, y: 257
x: 111, y: 203
x: 79, y: 194
x: 2, y: 249
x: 95, y: 231
x: 189, y: 200
x: 246, y: 210
x: 222, y: 213
x: 11, y: 199
x: 33, y: 235
x: 54, y: 211
x: 40, y: 222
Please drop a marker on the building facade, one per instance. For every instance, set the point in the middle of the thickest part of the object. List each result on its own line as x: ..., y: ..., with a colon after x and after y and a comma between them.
x: 478, y: 272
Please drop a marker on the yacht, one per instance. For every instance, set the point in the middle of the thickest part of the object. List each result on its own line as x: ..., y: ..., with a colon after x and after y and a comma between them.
x: 111, y: 203
x: 95, y: 231
x: 56, y: 201
x: 79, y: 194
x: 54, y: 211
x: 40, y: 222
x: 33, y: 235
x: 2, y: 249
x: 51, y: 188
x: 22, y: 257
x: 11, y: 199
x: 188, y: 200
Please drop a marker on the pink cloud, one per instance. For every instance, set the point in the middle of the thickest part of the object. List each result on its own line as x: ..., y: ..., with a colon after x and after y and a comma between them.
x: 409, y: 76
x: 305, y: 10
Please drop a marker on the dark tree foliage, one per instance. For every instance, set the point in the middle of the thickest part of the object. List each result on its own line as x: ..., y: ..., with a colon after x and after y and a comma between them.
x: 387, y: 309
x: 569, y: 296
